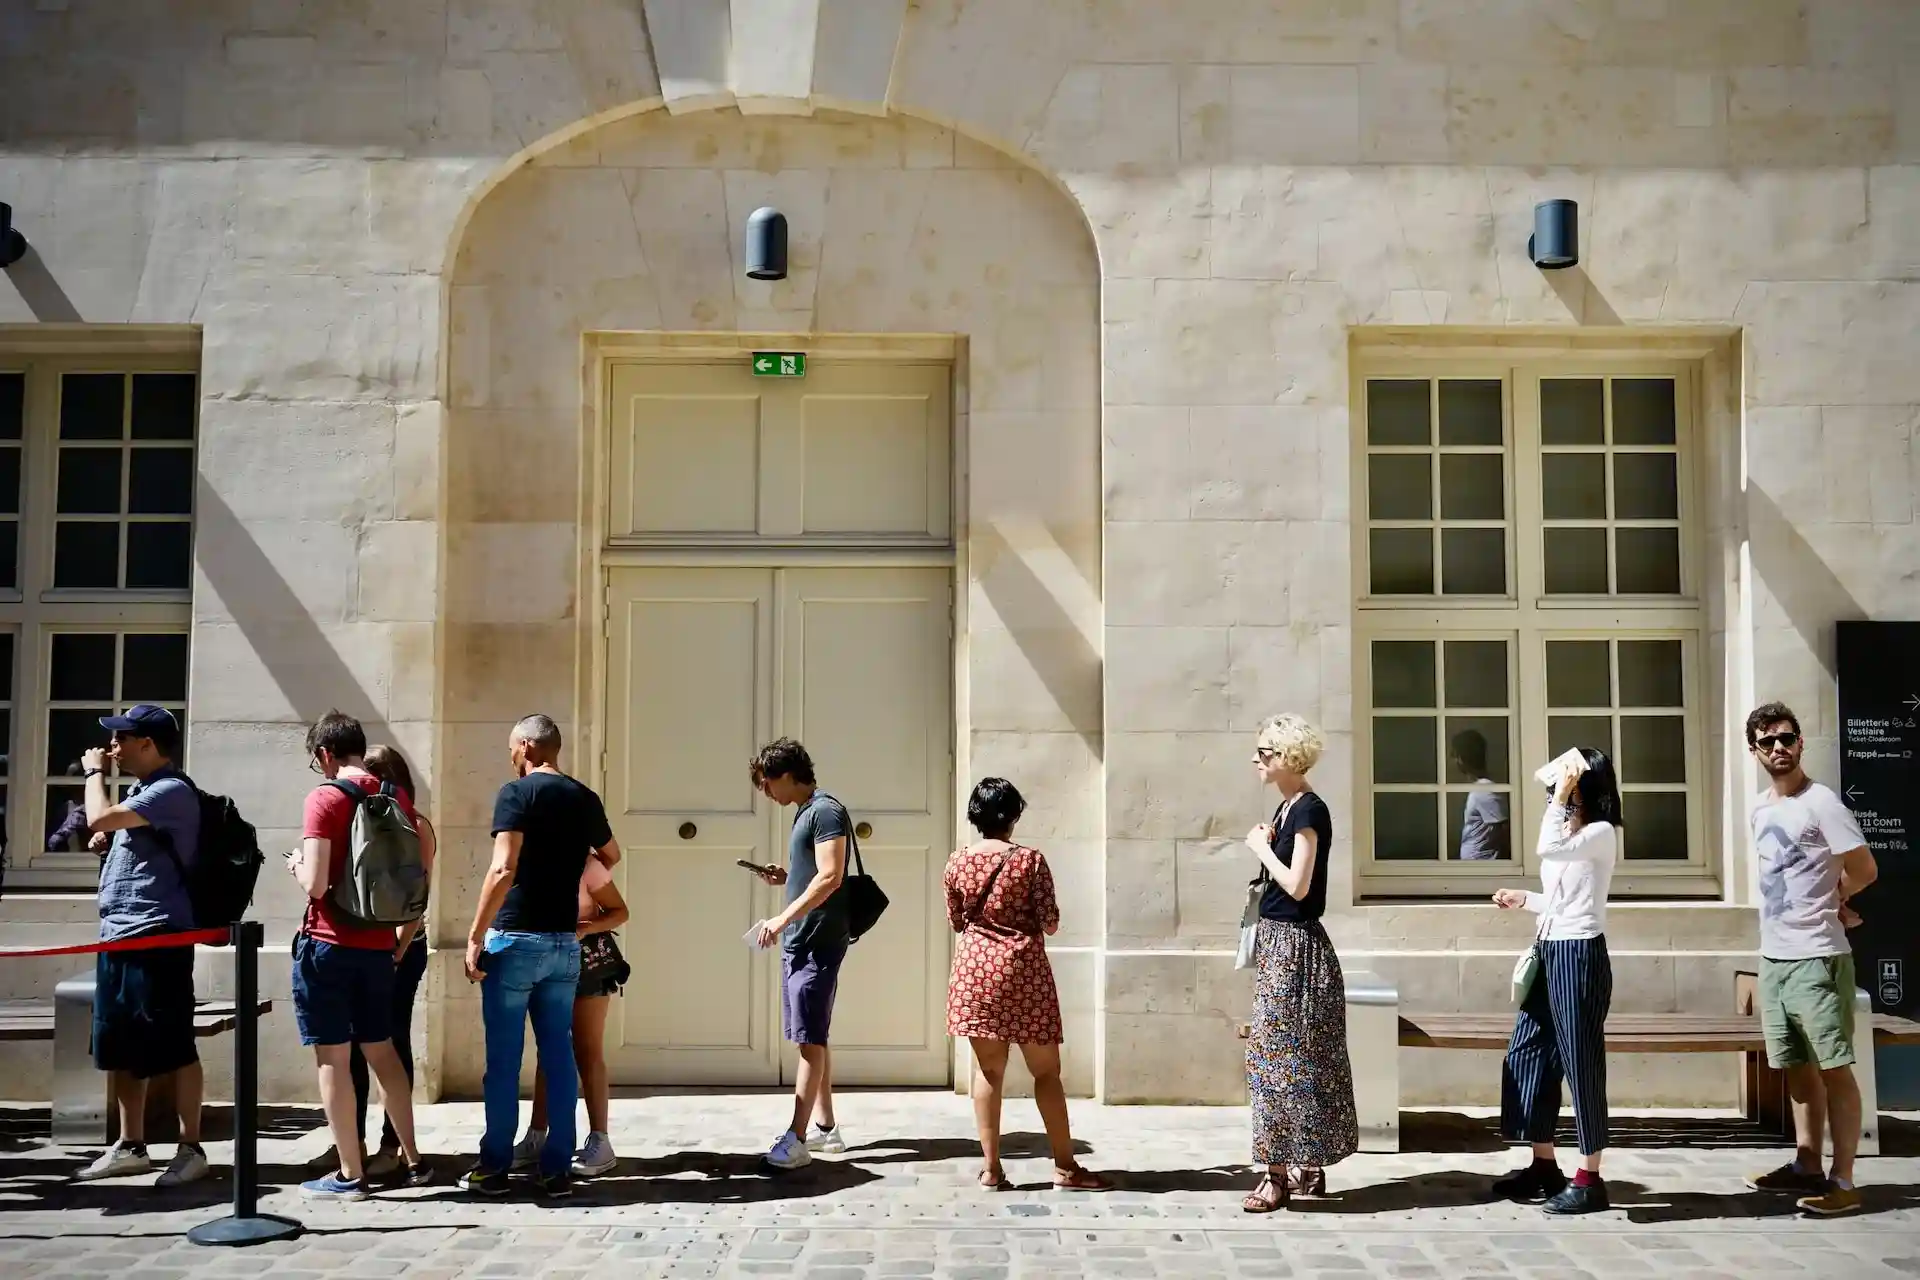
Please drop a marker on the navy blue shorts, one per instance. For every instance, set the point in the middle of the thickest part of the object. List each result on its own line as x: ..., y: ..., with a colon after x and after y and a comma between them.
x: 811, y: 978
x: 143, y: 1011
x: 341, y: 995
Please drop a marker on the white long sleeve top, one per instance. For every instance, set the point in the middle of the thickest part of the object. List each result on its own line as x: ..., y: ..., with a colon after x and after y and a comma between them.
x: 1576, y: 871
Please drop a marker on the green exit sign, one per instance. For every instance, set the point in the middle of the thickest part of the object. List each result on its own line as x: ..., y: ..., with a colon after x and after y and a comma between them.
x: 779, y: 364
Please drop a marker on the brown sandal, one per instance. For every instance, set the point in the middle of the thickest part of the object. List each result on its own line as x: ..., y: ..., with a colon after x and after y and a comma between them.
x: 1079, y: 1179
x: 1257, y: 1203
x: 1302, y: 1181
x: 994, y: 1180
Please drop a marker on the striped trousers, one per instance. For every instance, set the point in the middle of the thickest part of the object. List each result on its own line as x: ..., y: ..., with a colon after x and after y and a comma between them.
x: 1560, y: 1033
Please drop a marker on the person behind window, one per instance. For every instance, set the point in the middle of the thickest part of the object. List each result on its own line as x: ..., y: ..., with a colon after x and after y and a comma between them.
x: 1485, y: 835
x: 1560, y: 1030
x: 71, y: 835
x: 1299, y: 1078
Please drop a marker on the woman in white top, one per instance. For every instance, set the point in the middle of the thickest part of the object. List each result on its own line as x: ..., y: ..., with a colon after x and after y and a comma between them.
x: 1561, y: 1027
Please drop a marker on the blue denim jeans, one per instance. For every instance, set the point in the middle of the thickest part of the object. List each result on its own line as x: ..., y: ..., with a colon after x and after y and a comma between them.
x: 529, y: 975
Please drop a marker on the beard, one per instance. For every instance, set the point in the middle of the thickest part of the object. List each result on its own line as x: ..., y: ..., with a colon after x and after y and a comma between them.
x: 1778, y: 770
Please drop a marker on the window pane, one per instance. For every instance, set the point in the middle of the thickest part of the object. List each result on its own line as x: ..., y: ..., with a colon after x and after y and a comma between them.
x: 6, y: 665
x: 1493, y: 828
x: 89, y: 482
x: 1577, y: 674
x: 1403, y: 673
x: 9, y: 555
x: 62, y: 799
x: 1406, y: 826
x: 1400, y: 562
x: 86, y: 554
x: 1573, y: 486
x: 161, y: 483
x: 1477, y: 748
x: 70, y: 732
x: 92, y: 406
x: 1566, y: 732
x: 1650, y: 673
x: 1576, y: 562
x: 1649, y: 561
x: 1400, y: 486
x: 1471, y: 412
x: 1473, y: 486
x: 1653, y: 749
x: 154, y: 669
x: 159, y: 556
x: 1656, y: 826
x: 6, y: 748
x: 1473, y: 562
x: 10, y: 481
x: 163, y: 406
x: 82, y: 667
x: 1476, y: 673
x: 1404, y: 749
x: 1646, y: 486
x: 1399, y: 412
x: 13, y: 404
x: 1643, y: 411
x: 1573, y: 411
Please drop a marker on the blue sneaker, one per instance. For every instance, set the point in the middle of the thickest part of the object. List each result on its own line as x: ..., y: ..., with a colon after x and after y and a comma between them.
x: 335, y: 1187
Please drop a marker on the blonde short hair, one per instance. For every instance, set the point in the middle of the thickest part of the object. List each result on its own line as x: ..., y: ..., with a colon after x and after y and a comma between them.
x: 1294, y: 743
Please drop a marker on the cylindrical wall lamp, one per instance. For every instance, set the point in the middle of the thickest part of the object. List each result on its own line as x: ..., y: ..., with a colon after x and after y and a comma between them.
x: 1555, y: 242
x: 13, y: 245
x: 766, y: 254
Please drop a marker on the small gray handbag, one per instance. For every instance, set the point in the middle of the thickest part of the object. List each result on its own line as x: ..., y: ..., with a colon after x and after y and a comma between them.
x: 1249, y: 951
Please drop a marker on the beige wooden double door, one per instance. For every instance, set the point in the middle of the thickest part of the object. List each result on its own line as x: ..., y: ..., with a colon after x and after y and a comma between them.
x: 703, y: 665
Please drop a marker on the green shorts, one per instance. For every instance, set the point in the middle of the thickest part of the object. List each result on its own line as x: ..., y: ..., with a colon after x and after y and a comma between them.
x: 1806, y: 1011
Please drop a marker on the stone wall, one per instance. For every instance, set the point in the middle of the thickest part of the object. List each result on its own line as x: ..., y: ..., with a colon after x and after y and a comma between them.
x: 1259, y: 178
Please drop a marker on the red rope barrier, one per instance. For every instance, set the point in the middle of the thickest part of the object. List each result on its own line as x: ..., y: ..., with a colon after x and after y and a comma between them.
x: 147, y: 942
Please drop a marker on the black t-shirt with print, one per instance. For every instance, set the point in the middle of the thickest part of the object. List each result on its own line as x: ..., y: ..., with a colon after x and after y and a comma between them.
x: 561, y: 822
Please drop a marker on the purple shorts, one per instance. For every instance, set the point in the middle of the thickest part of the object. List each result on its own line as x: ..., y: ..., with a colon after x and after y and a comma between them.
x: 810, y: 980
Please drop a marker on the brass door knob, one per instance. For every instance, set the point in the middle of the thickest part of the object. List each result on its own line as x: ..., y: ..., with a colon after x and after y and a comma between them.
x: 864, y: 830
x: 688, y: 831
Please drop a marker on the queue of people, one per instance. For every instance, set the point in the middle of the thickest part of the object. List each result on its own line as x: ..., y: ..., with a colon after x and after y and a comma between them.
x: 542, y: 947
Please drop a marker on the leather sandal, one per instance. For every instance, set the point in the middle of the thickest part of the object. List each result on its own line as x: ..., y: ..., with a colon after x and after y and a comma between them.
x: 995, y: 1180
x: 1258, y: 1203
x: 1302, y: 1181
x: 1079, y: 1179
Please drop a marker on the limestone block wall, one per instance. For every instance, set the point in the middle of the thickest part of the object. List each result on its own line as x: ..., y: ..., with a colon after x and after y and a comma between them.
x: 1258, y: 178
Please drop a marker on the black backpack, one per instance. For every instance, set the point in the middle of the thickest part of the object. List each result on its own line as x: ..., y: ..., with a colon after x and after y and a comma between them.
x: 225, y: 865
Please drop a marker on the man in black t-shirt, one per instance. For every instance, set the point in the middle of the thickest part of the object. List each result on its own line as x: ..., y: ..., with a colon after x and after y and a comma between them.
x: 523, y: 950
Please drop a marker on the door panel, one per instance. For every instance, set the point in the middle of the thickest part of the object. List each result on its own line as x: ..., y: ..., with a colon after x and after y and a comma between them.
x: 689, y: 695
x: 863, y: 680
x: 686, y: 450
x: 876, y: 444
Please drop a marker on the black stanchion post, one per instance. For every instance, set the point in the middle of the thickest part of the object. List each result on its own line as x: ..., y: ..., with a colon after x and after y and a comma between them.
x: 246, y: 1225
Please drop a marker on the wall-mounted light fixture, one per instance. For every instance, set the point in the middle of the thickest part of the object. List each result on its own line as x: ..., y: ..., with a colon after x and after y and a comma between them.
x: 1555, y: 242
x: 13, y: 245
x: 766, y: 254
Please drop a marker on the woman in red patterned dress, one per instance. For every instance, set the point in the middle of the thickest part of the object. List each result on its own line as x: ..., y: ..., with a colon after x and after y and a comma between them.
x: 1000, y: 901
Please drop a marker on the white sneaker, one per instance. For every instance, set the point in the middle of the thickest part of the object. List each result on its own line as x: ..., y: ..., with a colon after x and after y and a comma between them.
x: 596, y: 1157
x: 186, y: 1166
x: 115, y: 1162
x: 826, y: 1142
x: 789, y: 1153
x: 526, y: 1153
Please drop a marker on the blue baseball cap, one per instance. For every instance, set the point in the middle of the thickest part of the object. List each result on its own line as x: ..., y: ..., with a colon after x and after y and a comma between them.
x: 144, y: 719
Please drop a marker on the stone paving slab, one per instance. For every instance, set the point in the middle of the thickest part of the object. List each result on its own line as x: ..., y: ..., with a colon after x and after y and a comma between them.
x: 691, y: 1199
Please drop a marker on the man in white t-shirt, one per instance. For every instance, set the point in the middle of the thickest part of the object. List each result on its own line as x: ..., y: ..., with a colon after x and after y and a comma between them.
x: 1812, y: 859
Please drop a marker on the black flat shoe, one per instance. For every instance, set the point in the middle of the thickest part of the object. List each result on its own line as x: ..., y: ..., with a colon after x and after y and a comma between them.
x: 1591, y: 1198
x: 1531, y: 1185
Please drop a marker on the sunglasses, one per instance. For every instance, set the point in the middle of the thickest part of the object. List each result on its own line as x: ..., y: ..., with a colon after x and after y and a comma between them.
x: 1783, y: 739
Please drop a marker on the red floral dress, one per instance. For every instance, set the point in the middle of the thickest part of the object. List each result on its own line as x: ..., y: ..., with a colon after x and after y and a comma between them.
x: 1002, y: 986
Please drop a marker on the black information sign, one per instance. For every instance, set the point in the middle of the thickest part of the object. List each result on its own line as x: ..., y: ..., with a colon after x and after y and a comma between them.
x: 1879, y: 670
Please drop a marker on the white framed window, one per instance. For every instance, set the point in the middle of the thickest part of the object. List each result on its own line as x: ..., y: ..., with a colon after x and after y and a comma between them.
x: 97, y: 473
x: 1527, y: 579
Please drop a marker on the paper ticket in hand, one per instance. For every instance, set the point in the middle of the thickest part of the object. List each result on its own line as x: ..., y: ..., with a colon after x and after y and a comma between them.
x: 752, y: 938
x: 1549, y: 774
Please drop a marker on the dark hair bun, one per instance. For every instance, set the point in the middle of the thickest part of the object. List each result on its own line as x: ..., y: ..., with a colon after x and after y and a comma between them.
x: 995, y: 806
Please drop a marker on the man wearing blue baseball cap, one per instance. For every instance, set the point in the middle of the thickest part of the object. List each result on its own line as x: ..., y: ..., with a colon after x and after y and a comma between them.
x: 143, y: 1000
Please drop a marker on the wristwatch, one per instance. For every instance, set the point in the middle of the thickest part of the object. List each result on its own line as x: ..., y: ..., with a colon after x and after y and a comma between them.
x: 91, y: 772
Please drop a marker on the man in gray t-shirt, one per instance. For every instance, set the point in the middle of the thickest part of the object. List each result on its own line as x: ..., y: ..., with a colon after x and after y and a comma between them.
x: 813, y: 933
x: 1485, y: 834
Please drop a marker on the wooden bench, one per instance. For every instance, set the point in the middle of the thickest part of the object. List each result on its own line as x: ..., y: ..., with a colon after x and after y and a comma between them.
x: 83, y: 1111
x: 1763, y: 1093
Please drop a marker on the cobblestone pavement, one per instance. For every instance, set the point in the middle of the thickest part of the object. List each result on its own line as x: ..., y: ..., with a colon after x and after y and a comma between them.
x: 690, y: 1199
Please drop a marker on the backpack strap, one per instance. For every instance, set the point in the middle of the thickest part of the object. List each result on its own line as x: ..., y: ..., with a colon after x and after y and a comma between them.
x: 354, y: 793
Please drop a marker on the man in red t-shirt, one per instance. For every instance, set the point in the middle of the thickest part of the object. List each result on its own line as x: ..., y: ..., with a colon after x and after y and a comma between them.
x: 343, y: 972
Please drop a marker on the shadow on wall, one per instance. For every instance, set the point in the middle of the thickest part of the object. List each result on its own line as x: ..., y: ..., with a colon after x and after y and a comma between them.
x: 277, y: 626
x: 40, y: 291
x: 1812, y: 596
x: 1050, y: 641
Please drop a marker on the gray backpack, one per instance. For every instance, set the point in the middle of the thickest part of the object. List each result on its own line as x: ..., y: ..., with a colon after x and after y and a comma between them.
x: 386, y: 878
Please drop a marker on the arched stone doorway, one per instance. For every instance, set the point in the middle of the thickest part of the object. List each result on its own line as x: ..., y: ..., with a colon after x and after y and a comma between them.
x: 899, y: 227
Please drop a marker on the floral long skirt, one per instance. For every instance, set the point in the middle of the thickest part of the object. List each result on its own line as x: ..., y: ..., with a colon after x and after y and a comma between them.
x: 1299, y: 1079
